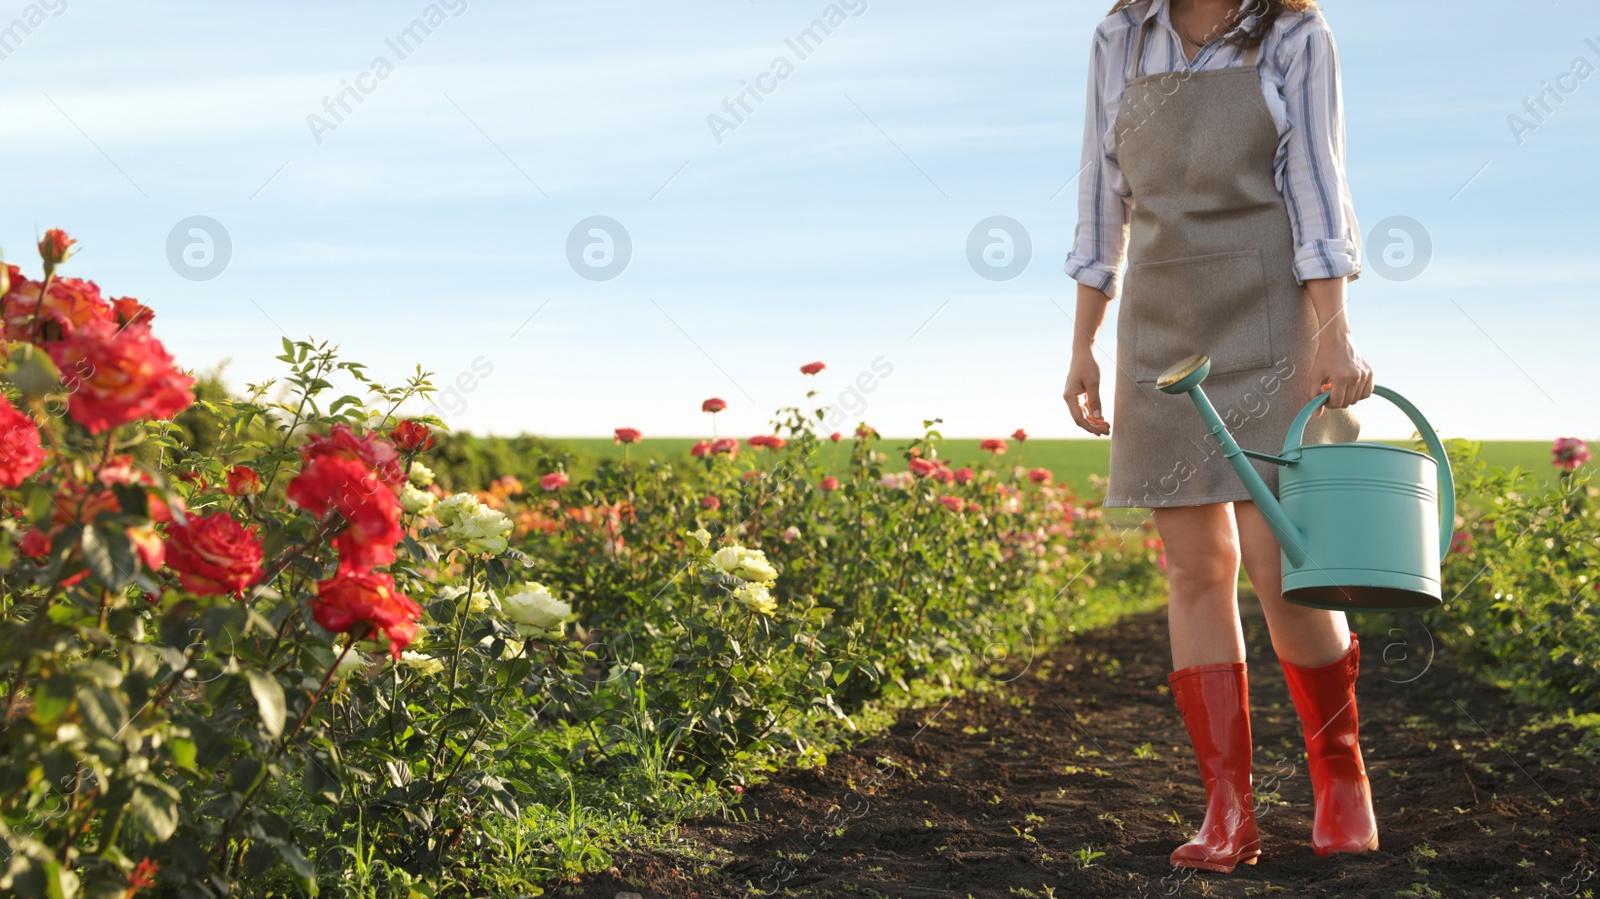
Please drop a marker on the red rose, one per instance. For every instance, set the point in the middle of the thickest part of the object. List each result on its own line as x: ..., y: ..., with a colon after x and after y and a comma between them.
x: 727, y: 446
x: 943, y: 475
x: 953, y: 503
x: 412, y: 436
x: 770, y: 441
x: 242, y: 482
x: 836, y: 436
x: 75, y: 504
x: 35, y: 544
x: 1039, y: 475
x: 963, y: 475
x: 369, y: 449
x: 214, y: 555
x: 127, y: 310
x: 993, y: 445
x: 811, y: 368
x: 923, y: 467
x: 828, y: 484
x: 55, y: 248
x: 701, y: 449
x: 21, y: 452
x: 627, y: 435
x: 713, y: 405
x: 69, y: 303
x: 370, y: 509
x: 553, y: 481
x: 1569, y: 453
x: 361, y: 602
x: 147, y: 543
x: 120, y: 470
x: 864, y: 430
x: 117, y: 375
x: 1019, y: 435
x: 710, y: 502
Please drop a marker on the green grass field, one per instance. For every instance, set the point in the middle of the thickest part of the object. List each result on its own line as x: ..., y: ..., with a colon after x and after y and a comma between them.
x: 1071, y: 461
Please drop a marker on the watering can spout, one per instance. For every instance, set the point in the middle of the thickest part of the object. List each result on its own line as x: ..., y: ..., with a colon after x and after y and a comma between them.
x: 1185, y: 377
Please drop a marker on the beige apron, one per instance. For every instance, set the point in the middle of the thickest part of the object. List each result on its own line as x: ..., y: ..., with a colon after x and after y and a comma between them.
x: 1210, y: 269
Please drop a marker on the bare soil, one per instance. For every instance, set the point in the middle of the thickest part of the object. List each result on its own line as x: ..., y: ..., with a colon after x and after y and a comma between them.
x: 1075, y: 779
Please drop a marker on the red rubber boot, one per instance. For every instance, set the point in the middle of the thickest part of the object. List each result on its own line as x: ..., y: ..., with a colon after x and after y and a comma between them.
x: 1214, y: 701
x: 1325, y: 698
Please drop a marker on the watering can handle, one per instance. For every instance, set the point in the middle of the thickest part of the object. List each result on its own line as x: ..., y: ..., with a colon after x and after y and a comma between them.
x: 1447, y: 485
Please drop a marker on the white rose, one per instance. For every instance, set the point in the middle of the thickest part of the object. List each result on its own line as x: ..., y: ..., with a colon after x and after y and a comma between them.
x: 755, y: 567
x: 480, y: 602
x: 420, y: 475
x: 703, y: 536
x: 726, y: 559
x: 535, y: 612
x: 473, y: 526
x: 424, y: 665
x: 415, y: 501
x: 749, y: 564
x: 757, y: 598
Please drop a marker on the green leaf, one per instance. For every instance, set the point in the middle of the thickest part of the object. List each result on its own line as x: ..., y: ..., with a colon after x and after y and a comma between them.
x: 102, y: 710
x: 183, y: 752
x: 296, y: 860
x: 320, y: 783
x: 156, y: 810
x: 110, y: 556
x: 269, y: 697
x: 246, y: 771
x: 51, y: 698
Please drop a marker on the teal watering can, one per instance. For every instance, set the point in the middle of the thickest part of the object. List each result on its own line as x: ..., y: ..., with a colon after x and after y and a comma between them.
x: 1363, y: 526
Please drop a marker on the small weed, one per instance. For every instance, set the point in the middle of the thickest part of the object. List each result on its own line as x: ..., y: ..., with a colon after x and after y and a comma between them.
x: 1084, y: 858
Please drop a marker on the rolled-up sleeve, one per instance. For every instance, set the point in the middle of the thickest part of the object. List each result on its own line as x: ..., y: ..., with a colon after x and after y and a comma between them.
x: 1101, y: 239
x: 1327, y: 239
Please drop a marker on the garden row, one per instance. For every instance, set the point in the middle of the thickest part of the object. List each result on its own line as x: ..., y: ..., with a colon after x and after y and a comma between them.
x: 250, y: 646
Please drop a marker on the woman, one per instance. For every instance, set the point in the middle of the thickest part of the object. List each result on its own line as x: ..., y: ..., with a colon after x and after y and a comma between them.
x: 1214, y: 152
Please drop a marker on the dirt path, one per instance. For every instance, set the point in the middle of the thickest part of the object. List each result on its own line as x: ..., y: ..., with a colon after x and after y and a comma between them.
x: 1005, y: 794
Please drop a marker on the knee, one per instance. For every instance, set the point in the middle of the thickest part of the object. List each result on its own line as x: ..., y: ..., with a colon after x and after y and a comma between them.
x: 1203, y: 573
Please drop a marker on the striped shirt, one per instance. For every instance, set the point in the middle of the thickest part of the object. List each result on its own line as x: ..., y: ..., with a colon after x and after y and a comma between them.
x: 1299, y: 69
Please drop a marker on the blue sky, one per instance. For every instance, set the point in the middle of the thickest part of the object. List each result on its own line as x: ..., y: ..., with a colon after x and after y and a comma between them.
x: 832, y: 223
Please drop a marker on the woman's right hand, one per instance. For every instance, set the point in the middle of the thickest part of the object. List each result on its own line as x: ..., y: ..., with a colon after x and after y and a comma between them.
x: 1083, y: 394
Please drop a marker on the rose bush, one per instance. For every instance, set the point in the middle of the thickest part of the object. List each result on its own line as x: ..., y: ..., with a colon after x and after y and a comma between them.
x: 1523, y: 582
x: 250, y: 646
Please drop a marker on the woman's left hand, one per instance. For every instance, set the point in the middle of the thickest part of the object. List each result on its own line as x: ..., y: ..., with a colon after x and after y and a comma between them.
x: 1340, y: 369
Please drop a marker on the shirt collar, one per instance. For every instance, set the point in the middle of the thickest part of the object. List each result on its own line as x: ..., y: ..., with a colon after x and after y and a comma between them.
x: 1162, y: 10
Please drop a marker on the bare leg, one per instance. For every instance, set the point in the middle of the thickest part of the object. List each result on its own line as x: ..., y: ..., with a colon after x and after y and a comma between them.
x: 1300, y: 635
x: 1202, y: 584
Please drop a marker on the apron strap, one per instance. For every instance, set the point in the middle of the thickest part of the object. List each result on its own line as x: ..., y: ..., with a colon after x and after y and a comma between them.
x: 1138, y: 50
x: 1251, y: 53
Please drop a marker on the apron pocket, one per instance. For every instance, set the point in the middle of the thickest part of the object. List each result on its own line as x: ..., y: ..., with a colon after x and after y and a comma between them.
x: 1214, y: 304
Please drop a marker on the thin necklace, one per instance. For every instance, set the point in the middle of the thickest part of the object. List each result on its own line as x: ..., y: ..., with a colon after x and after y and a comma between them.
x: 1185, y: 35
